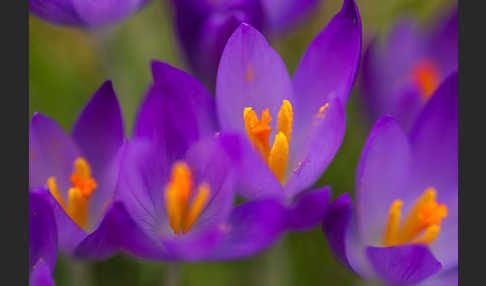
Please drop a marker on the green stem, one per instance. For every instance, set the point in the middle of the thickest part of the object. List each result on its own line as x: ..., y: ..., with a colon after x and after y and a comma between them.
x: 172, y: 274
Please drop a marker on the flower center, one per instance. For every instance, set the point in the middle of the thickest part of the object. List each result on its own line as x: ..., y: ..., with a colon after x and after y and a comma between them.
x: 78, y: 195
x: 426, y: 76
x: 178, y: 194
x: 425, y: 217
x: 259, y: 131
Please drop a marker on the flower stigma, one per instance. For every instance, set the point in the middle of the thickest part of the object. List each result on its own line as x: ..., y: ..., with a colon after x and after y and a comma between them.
x: 426, y: 76
x: 178, y: 193
x: 424, y: 218
x: 78, y: 196
x: 259, y: 132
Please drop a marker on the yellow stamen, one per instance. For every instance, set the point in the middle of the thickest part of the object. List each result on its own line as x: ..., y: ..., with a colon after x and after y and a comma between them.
x: 198, y: 205
x: 78, y: 195
x: 391, y: 232
x: 177, y: 196
x: 51, y: 184
x: 285, y: 118
x: 426, y: 215
x: 78, y: 207
x: 258, y: 132
x: 426, y: 76
x: 279, y: 155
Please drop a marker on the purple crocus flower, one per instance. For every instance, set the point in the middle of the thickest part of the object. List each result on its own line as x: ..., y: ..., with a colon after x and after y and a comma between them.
x: 204, y: 26
x: 309, y: 112
x: 42, y: 239
x: 177, y: 179
x: 80, y: 170
x: 404, y: 227
x: 399, y: 77
x: 84, y: 13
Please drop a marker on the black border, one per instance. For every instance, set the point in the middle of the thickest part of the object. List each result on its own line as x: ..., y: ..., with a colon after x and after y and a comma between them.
x: 14, y: 118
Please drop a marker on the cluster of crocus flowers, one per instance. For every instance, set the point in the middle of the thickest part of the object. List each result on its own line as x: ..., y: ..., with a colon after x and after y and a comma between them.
x: 400, y: 76
x: 203, y: 27
x: 403, y: 229
x: 80, y: 13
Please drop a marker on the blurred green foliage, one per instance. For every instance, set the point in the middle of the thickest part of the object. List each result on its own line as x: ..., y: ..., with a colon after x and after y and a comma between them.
x: 67, y: 65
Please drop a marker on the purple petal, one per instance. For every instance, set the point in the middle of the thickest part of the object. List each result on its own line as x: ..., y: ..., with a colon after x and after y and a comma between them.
x: 41, y: 274
x: 51, y: 153
x: 215, y: 32
x: 255, y: 180
x: 192, y: 248
x: 165, y: 117
x: 443, y: 45
x: 443, y: 278
x: 251, y: 228
x: 42, y: 230
x: 250, y: 74
x: 56, y: 11
x: 382, y: 177
x: 102, y: 12
x: 193, y: 93
x: 118, y: 232
x: 281, y: 15
x: 98, y: 131
x: 335, y: 226
x: 407, y: 264
x: 328, y: 67
x: 143, y: 176
x: 313, y: 150
x: 434, y: 144
x: 308, y: 210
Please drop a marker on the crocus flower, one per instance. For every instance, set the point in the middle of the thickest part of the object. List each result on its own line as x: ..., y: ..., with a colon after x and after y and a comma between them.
x: 400, y: 76
x: 83, y: 13
x: 80, y: 170
x: 42, y: 239
x: 403, y: 229
x: 176, y: 180
x: 304, y: 117
x: 203, y: 26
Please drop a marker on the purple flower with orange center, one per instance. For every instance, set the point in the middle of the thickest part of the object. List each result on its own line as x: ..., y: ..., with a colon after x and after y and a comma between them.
x: 403, y: 229
x: 80, y: 170
x: 204, y: 26
x: 42, y: 239
x: 400, y: 76
x: 83, y: 13
x: 290, y: 129
x: 177, y: 180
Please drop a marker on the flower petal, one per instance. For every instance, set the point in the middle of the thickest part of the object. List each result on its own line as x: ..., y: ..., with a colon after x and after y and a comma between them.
x: 255, y: 180
x: 312, y: 153
x: 335, y: 226
x: 42, y: 230
x: 41, y: 274
x: 101, y: 12
x: 166, y: 118
x: 193, y: 93
x: 443, y: 278
x: 308, y: 210
x: 444, y: 44
x: 56, y: 11
x: 98, y: 131
x: 283, y: 14
x: 382, y: 177
x: 250, y: 74
x: 51, y: 153
x: 434, y: 144
x: 117, y: 232
x: 407, y: 264
x: 251, y: 228
x: 328, y: 67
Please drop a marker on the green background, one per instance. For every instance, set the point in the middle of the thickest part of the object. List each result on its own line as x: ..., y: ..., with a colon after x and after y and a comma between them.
x: 67, y: 65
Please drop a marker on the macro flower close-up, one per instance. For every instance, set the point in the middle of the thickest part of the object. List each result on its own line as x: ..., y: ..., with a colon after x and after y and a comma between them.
x: 240, y: 142
x: 403, y: 226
